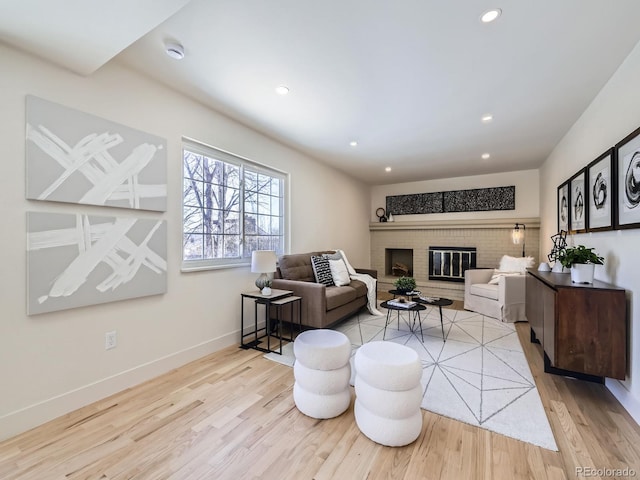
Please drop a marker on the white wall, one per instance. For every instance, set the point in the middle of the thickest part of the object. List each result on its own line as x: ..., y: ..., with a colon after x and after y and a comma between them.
x: 54, y: 363
x: 527, y: 195
x: 611, y: 116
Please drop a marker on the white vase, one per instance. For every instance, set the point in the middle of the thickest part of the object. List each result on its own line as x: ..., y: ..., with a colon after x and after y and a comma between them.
x: 266, y: 291
x: 558, y: 268
x: 582, y: 272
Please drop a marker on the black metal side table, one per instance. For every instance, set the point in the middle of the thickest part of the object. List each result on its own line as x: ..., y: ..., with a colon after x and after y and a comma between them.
x: 436, y: 302
x: 259, y: 333
x: 415, y: 309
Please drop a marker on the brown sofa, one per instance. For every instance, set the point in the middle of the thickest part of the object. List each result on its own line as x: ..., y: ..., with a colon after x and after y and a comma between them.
x: 322, y: 306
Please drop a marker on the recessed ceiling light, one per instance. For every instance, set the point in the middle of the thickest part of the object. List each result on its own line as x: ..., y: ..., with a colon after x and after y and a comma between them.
x: 282, y: 89
x: 490, y: 15
x: 387, y: 169
x: 174, y: 50
x: 353, y: 143
x: 486, y: 118
x: 485, y: 156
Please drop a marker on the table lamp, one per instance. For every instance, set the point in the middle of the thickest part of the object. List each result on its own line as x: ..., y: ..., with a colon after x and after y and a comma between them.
x: 263, y: 262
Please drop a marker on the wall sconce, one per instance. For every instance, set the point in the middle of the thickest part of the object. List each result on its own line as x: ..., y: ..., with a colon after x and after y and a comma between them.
x: 263, y: 262
x: 517, y: 235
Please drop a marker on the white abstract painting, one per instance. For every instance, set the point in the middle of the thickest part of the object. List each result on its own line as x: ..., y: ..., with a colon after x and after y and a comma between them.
x: 80, y: 158
x: 76, y: 260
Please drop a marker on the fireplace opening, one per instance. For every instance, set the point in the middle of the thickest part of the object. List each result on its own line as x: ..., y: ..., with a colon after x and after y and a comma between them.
x: 449, y: 263
x: 398, y: 262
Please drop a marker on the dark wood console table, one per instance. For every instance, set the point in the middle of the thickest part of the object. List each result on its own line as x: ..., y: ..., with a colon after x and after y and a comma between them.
x: 582, y: 327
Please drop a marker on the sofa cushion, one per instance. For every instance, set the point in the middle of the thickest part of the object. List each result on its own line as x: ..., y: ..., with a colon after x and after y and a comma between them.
x: 338, y: 296
x: 322, y: 270
x: 360, y: 288
x: 297, y: 267
x: 484, y: 290
x: 515, y: 264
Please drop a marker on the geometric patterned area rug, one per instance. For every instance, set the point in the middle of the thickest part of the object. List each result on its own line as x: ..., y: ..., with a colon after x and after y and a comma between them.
x: 479, y: 375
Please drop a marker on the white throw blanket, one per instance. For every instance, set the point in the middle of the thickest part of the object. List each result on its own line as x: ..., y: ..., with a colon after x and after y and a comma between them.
x: 368, y: 280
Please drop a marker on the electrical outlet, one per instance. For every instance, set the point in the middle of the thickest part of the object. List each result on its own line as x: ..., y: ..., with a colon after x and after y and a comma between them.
x: 110, y: 340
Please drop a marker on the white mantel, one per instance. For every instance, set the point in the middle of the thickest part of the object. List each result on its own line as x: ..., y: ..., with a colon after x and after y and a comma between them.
x: 502, y: 223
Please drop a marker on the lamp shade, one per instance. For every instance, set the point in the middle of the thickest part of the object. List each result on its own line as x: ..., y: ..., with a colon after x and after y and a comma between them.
x: 517, y: 235
x: 263, y: 261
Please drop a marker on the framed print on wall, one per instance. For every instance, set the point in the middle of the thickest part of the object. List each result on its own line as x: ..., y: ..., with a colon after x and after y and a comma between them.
x: 628, y: 181
x: 600, y: 192
x: 563, y: 207
x: 577, y: 203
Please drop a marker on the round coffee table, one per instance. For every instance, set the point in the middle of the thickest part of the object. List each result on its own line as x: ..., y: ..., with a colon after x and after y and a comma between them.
x: 415, y: 309
x: 436, y: 302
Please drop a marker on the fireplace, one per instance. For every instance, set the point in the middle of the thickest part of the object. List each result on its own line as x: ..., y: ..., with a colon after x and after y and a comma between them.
x: 398, y: 262
x: 449, y: 263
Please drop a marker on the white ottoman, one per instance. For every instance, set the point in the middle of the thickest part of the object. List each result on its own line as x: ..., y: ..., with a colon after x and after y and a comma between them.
x: 322, y: 373
x: 388, y: 393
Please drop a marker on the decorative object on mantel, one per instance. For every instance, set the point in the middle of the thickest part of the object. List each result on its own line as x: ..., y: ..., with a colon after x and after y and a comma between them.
x: 381, y: 214
x: 263, y: 262
x: 473, y: 200
x: 518, y: 235
x: 559, y: 244
x: 390, y: 217
x: 582, y: 261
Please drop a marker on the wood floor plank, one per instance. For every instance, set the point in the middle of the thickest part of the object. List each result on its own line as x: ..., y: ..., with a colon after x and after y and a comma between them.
x: 231, y: 415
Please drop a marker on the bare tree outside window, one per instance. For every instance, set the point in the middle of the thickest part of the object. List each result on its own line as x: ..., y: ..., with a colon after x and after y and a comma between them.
x: 229, y: 209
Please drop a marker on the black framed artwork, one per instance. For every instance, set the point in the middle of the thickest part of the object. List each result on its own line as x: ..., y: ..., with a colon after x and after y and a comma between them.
x: 577, y: 203
x: 628, y: 181
x: 563, y: 206
x: 600, y: 192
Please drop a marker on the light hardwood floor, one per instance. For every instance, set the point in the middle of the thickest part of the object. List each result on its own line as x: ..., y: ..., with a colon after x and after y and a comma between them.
x: 231, y: 415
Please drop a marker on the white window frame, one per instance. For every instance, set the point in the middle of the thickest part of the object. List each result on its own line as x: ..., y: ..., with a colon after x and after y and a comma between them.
x: 244, y: 258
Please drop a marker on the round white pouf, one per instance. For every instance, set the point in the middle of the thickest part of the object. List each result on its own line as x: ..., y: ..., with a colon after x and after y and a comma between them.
x: 322, y: 372
x: 388, y: 393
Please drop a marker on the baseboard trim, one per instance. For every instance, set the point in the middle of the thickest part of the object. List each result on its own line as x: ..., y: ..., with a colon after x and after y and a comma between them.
x: 630, y: 403
x: 34, y: 415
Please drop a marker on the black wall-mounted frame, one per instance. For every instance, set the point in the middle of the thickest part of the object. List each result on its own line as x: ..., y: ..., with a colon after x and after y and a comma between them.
x: 627, y: 208
x: 601, y: 192
x: 578, y: 205
x: 563, y: 206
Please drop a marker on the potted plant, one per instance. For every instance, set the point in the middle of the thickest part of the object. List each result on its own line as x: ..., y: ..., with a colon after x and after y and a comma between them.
x: 582, y: 261
x: 405, y: 284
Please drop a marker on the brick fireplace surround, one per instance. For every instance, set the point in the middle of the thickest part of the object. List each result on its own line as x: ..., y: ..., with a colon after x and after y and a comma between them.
x: 492, y: 239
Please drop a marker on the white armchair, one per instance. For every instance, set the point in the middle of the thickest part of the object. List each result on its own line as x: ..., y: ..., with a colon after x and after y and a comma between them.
x: 503, y: 298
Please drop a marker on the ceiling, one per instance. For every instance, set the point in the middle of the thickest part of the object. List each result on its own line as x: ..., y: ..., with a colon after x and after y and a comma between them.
x: 409, y: 80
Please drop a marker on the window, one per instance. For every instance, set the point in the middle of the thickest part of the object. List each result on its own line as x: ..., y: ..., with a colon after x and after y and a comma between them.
x: 231, y: 206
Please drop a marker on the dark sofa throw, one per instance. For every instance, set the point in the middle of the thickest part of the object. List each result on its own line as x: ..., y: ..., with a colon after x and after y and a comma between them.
x: 322, y: 270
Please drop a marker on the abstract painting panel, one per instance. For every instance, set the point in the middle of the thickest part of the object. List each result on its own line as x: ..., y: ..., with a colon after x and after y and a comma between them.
x: 75, y: 260
x: 473, y: 200
x: 76, y: 157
